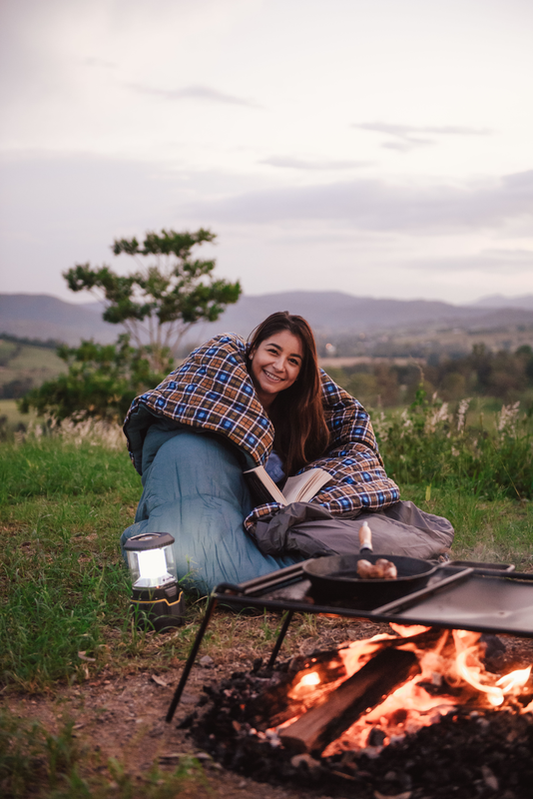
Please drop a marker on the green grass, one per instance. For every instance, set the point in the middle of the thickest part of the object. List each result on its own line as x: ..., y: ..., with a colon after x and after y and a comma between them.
x: 464, y: 447
x: 64, y: 585
x: 491, y: 531
x: 63, y: 581
x: 64, y: 590
x: 36, y: 762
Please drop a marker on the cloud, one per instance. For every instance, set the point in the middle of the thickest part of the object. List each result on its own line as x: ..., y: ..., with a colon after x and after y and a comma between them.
x: 373, y: 204
x: 94, y: 61
x: 410, y: 136
x: 500, y: 261
x: 288, y: 162
x: 204, y: 93
x: 58, y: 210
x: 407, y: 145
x: 409, y: 130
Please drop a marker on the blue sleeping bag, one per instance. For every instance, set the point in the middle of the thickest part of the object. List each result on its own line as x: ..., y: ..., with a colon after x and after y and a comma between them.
x: 194, y: 490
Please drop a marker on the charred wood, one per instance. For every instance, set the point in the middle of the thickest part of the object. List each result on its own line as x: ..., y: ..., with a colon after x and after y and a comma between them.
x: 275, y: 706
x: 313, y: 731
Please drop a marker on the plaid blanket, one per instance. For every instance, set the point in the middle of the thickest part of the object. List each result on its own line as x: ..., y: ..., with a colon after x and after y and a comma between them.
x: 213, y: 391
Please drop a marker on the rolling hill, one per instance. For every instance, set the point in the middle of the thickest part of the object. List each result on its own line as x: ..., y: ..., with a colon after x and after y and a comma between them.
x: 331, y: 314
x: 42, y: 316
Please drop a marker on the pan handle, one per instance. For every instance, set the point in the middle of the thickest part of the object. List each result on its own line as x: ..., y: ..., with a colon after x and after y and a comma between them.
x: 365, y: 538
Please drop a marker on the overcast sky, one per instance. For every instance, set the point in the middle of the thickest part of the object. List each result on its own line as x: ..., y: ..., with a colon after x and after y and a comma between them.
x: 377, y: 147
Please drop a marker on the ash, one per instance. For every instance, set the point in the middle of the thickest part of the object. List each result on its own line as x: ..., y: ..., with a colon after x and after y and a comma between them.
x: 467, y: 754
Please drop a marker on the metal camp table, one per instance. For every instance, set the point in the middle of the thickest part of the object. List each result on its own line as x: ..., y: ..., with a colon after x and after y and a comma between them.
x: 483, y: 597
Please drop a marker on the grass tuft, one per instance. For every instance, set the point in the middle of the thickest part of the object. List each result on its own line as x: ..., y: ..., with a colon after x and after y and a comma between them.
x: 35, y: 762
x: 490, y: 456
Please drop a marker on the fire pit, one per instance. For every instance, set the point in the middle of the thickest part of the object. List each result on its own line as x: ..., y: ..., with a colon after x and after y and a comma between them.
x: 380, y: 712
x: 397, y: 714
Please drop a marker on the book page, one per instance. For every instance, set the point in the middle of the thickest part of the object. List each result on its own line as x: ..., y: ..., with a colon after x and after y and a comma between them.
x: 263, y: 486
x: 302, y: 487
x: 299, y: 488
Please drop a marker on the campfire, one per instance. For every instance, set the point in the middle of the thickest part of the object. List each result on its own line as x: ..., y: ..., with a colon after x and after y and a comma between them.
x: 382, y: 688
x: 352, y: 705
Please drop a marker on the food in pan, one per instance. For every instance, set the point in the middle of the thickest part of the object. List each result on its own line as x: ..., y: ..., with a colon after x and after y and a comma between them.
x: 382, y: 569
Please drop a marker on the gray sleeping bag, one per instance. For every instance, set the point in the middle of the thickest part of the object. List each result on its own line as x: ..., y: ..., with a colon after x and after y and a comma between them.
x: 401, y: 529
x: 194, y: 490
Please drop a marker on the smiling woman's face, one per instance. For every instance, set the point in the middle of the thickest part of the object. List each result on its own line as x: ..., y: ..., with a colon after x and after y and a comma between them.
x: 275, y: 365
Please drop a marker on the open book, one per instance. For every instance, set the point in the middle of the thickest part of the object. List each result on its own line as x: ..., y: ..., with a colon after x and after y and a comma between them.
x: 299, y: 488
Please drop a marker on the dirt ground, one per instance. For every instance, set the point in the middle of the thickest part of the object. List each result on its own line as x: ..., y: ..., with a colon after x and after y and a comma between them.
x: 124, y: 718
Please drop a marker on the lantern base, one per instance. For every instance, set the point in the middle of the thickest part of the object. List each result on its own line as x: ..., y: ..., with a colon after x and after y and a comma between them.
x: 158, y: 608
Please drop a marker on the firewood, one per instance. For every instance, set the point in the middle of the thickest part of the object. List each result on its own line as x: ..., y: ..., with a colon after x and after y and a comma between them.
x: 422, y: 640
x: 317, y: 728
x: 276, y: 706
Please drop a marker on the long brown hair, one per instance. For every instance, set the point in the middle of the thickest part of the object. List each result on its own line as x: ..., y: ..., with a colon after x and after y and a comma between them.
x: 297, y: 412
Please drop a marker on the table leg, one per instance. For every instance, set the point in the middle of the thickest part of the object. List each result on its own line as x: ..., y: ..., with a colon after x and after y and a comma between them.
x: 284, y: 627
x: 192, y: 657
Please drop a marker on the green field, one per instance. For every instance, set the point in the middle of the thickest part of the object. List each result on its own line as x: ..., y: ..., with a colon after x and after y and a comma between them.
x: 27, y: 362
x: 64, y: 590
x: 65, y: 499
x: 9, y: 409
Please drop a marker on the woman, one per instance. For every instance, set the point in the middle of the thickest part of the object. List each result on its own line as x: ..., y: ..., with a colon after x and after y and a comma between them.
x: 234, y: 405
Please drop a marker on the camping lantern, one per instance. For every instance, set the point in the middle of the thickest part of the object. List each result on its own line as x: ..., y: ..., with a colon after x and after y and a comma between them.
x: 155, y: 587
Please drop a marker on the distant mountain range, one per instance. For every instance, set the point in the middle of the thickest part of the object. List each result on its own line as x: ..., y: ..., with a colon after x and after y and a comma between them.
x: 499, y: 301
x: 42, y: 316
x: 331, y: 314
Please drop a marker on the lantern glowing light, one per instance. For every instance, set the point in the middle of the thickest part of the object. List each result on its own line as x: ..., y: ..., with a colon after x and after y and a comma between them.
x: 155, y: 589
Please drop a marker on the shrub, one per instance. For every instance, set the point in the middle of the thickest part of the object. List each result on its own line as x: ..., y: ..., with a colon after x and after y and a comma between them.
x: 429, y: 444
x: 101, y: 381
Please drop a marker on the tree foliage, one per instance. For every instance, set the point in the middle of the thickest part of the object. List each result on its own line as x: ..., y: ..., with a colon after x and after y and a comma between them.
x: 170, y: 291
x: 503, y: 375
x: 157, y: 304
x: 101, y: 381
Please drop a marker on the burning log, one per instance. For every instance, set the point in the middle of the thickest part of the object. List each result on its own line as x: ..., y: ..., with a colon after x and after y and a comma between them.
x: 276, y: 705
x: 317, y: 728
x: 280, y: 702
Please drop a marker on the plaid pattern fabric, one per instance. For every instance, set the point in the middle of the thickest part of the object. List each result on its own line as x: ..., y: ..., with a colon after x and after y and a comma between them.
x: 212, y: 390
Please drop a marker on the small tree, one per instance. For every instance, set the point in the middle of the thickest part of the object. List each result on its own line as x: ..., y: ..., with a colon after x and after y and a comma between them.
x: 170, y: 291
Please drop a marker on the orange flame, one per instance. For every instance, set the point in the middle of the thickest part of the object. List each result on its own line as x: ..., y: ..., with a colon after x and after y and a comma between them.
x: 449, y: 676
x: 514, y: 680
x: 309, y: 679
